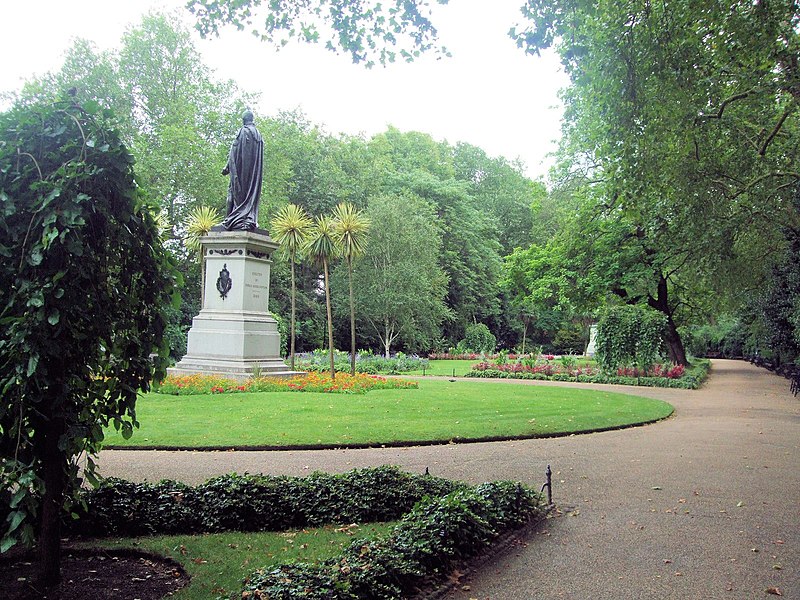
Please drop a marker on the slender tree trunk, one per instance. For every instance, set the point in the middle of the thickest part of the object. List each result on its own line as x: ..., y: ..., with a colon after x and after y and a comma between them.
x: 352, y: 319
x: 387, y: 340
x: 524, y: 333
x: 53, y: 475
x: 330, y: 318
x: 291, y: 325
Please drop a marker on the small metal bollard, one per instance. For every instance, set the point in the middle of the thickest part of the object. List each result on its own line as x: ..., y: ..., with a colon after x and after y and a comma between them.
x: 549, y: 485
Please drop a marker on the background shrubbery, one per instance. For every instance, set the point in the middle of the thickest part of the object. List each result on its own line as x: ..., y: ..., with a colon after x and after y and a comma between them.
x: 366, y: 362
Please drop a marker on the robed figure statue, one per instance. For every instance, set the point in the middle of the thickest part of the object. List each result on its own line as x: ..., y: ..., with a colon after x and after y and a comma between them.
x: 245, y: 163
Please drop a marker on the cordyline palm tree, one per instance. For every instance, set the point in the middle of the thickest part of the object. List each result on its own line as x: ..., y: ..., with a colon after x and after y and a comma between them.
x: 201, y: 220
x: 291, y: 227
x: 350, y: 229
x: 321, y: 247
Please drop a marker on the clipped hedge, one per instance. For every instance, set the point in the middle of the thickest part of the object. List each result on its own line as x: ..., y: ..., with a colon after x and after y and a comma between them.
x: 692, y: 379
x: 254, y: 502
x: 423, y: 547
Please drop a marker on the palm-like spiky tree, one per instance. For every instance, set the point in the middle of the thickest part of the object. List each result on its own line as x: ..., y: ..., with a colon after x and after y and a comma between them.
x: 201, y: 220
x: 290, y: 227
x: 350, y: 228
x: 321, y: 247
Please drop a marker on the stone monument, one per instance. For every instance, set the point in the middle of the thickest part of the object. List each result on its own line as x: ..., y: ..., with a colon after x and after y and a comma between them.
x: 235, y: 334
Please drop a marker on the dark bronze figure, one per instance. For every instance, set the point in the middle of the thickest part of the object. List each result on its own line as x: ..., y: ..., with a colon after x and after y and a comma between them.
x: 245, y: 163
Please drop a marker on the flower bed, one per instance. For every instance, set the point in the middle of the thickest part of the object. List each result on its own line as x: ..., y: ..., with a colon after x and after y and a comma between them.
x: 360, y: 383
x: 548, y: 369
x: 674, y: 376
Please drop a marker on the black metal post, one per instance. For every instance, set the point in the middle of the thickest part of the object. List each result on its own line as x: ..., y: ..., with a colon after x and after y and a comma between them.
x: 549, y: 485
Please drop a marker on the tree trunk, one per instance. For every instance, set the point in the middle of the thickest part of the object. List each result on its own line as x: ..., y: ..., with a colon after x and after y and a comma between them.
x: 387, y: 340
x: 675, y: 350
x: 53, y: 475
x: 291, y: 325
x: 352, y: 318
x: 672, y: 338
x: 330, y: 318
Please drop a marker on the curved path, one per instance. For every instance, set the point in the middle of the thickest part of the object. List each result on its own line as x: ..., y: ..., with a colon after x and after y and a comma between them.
x: 703, y: 505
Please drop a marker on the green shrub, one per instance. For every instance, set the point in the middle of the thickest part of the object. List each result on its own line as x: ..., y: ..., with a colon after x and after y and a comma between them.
x: 478, y: 338
x: 424, y: 545
x: 254, y: 502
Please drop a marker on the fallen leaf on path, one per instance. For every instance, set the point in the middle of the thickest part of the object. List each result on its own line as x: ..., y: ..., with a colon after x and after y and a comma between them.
x: 774, y: 591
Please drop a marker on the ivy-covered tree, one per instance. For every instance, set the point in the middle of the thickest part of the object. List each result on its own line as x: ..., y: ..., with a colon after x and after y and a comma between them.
x: 86, y: 281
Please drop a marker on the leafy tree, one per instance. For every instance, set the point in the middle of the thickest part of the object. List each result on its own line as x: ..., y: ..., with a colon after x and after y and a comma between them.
x: 291, y: 228
x: 350, y: 230
x: 682, y: 119
x: 399, y: 285
x: 367, y: 31
x: 83, y: 308
x: 321, y: 247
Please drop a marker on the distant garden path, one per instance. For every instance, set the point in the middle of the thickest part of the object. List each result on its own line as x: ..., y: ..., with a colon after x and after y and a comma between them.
x: 701, y: 505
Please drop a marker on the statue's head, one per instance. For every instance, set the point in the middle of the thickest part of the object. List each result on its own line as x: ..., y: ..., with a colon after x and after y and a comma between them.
x: 247, y: 117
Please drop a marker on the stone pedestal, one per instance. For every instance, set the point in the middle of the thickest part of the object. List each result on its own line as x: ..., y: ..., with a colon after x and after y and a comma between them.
x: 235, y: 334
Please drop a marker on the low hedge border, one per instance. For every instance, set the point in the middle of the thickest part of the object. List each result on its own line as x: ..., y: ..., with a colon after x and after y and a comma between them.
x: 433, y: 538
x: 442, y: 523
x: 253, y: 502
x: 692, y: 379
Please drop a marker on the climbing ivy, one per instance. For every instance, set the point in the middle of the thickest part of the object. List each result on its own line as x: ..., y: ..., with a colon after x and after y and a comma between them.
x: 85, y: 282
x: 629, y: 335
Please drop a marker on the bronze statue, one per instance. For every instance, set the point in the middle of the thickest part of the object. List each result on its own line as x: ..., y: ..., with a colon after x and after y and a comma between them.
x: 245, y: 163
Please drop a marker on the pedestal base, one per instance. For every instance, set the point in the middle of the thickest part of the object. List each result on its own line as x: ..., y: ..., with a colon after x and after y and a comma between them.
x: 234, y: 335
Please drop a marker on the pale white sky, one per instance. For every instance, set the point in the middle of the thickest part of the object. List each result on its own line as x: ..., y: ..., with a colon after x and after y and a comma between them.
x: 488, y: 94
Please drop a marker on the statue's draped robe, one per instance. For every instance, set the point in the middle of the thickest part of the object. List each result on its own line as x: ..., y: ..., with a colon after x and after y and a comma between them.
x: 245, y: 164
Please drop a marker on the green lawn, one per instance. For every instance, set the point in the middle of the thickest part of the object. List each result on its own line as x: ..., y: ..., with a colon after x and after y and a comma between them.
x: 438, y: 411
x: 217, y: 563
x: 446, y: 368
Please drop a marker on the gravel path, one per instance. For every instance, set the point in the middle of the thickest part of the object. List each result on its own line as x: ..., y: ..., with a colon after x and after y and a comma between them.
x: 703, y: 505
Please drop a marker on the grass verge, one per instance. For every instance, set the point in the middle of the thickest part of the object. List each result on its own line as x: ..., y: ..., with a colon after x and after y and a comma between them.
x: 438, y: 411
x: 219, y: 562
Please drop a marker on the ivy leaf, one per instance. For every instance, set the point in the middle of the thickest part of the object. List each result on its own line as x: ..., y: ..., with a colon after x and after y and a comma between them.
x: 35, y: 258
x: 6, y: 544
x: 15, y: 518
x: 33, y: 362
x: 54, y: 317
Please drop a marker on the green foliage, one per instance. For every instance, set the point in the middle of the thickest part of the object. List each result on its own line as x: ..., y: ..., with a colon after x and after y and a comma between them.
x: 399, y: 285
x: 629, y: 335
x: 725, y: 338
x: 479, y: 339
x: 430, y: 539
x: 87, y: 282
x: 366, y: 362
x: 253, y: 503
x: 367, y: 31
x: 680, y: 126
